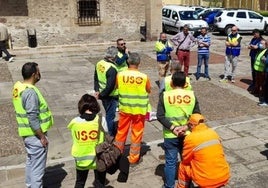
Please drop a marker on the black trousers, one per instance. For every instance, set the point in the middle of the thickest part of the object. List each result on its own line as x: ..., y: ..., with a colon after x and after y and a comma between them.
x: 4, y: 49
x: 81, y: 178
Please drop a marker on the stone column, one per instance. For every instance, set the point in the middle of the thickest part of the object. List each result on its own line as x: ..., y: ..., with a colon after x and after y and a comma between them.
x: 153, y: 18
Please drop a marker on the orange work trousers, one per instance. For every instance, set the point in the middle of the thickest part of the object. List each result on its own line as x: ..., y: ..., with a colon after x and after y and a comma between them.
x: 136, y: 123
x: 185, y: 177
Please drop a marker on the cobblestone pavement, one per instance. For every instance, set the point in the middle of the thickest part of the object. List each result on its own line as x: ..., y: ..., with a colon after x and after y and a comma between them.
x: 67, y: 73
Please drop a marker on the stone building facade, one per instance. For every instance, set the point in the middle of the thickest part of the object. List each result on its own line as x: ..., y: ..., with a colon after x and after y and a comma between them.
x: 56, y: 21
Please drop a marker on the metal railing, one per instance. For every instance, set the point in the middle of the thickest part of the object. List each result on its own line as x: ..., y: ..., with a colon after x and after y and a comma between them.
x: 88, y: 12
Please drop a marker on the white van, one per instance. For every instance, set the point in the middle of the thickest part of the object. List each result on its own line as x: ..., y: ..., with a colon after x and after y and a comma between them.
x: 174, y: 17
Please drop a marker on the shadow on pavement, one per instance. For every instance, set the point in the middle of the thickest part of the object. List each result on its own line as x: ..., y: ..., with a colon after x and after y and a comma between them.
x: 246, y: 81
x: 54, y: 175
x: 265, y: 152
x: 144, y: 149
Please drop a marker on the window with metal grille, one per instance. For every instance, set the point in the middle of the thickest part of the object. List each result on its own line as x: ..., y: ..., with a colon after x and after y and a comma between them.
x: 88, y: 12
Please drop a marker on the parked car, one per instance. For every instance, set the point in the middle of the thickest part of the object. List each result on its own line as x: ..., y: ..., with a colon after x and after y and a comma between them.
x: 206, y: 10
x: 209, y: 18
x: 245, y: 20
x: 175, y: 17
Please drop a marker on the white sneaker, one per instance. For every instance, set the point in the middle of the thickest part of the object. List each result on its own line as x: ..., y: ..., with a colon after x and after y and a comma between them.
x: 262, y: 104
x: 10, y: 59
x: 233, y: 81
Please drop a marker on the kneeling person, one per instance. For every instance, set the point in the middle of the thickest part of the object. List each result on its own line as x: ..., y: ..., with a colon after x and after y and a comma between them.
x: 203, y: 159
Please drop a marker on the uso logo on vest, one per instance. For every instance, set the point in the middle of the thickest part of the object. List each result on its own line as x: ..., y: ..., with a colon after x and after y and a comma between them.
x: 179, y: 99
x: 84, y: 135
x: 132, y: 79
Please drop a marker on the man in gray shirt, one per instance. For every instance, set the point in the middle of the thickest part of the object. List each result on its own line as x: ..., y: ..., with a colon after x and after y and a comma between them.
x: 34, y: 120
x: 184, y: 41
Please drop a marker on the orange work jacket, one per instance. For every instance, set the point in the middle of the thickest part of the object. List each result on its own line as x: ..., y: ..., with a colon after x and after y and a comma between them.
x: 203, y: 151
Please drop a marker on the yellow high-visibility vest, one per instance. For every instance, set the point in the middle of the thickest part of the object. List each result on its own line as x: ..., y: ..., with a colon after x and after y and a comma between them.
x: 85, y: 138
x: 258, y: 64
x: 133, y: 97
x: 102, y: 67
x: 45, y: 115
x: 179, y: 105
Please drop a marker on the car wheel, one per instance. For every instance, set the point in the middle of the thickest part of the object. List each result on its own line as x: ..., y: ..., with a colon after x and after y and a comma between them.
x: 228, y: 29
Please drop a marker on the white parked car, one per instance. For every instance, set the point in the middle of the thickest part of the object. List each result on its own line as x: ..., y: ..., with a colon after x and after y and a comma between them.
x: 245, y: 20
x: 175, y: 17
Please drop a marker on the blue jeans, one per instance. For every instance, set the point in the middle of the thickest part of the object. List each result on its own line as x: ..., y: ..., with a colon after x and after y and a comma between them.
x: 201, y: 58
x: 110, y: 105
x: 172, y: 146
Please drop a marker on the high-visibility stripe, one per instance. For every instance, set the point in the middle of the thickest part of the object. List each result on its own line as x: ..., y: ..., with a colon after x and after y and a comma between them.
x: 135, y: 145
x: 177, y: 118
x: 21, y: 115
x: 133, y: 105
x: 135, y: 152
x: 119, y: 144
x: 134, y: 96
x: 89, y: 157
x: 206, y: 144
x: 23, y: 125
x: 44, y: 110
x: 45, y: 120
x: 183, y: 182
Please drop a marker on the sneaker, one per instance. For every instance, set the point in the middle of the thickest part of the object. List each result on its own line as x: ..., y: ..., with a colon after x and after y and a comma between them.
x: 224, y: 80
x: 208, y: 78
x: 233, y: 81
x: 262, y: 104
x: 10, y: 59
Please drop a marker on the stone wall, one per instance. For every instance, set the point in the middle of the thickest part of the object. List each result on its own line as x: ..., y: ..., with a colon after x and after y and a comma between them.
x: 55, y: 22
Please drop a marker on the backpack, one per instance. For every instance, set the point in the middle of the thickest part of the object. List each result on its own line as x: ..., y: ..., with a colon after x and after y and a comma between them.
x: 107, y: 154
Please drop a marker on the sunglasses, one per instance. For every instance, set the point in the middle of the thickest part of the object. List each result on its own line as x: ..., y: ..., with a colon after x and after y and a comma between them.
x: 122, y: 44
x: 233, y: 30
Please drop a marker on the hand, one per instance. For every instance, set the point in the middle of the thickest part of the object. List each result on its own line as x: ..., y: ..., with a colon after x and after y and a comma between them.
x: 179, y: 131
x: 44, y: 141
x: 96, y: 95
x: 126, y: 51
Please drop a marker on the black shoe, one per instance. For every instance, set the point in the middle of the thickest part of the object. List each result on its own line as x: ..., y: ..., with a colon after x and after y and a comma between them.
x: 208, y: 78
x: 157, y: 83
x: 197, y: 78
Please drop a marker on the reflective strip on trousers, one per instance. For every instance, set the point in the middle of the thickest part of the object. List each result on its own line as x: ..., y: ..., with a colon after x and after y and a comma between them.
x: 89, y: 157
x: 183, y: 182
x: 206, y: 144
x: 120, y: 145
x: 135, y: 148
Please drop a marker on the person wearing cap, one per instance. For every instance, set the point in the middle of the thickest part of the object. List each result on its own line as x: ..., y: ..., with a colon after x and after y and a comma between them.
x: 254, y: 47
x: 174, y: 108
x: 104, y: 86
x: 203, y: 161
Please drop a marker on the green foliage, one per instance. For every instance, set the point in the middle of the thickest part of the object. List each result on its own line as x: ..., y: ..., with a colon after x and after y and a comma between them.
x: 264, y: 13
x: 215, y: 3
